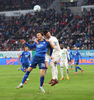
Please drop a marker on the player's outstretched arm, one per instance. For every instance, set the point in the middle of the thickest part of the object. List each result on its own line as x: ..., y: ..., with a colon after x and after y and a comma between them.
x: 52, y: 45
x: 19, y: 59
x: 29, y: 45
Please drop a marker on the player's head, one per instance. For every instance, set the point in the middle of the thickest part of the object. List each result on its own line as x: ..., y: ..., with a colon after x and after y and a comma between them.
x: 61, y: 46
x: 47, y: 34
x: 75, y: 48
x: 26, y: 48
x: 39, y: 35
x: 68, y: 48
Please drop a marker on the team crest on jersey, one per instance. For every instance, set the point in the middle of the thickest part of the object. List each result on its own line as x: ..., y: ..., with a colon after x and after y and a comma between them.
x: 43, y: 42
x: 55, y: 43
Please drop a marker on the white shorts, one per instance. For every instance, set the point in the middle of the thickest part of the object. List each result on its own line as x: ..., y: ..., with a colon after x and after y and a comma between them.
x: 47, y: 57
x: 64, y: 63
x: 55, y: 58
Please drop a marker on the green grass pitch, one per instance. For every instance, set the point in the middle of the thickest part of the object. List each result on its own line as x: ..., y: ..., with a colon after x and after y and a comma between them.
x: 78, y: 87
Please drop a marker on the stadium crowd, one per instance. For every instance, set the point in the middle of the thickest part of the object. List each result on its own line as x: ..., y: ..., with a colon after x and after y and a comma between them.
x: 80, y: 32
x: 26, y: 27
x: 10, y: 5
x: 89, y: 2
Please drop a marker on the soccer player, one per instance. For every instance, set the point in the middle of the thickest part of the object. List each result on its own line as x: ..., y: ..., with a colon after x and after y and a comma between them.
x: 39, y: 58
x: 76, y: 56
x: 70, y: 54
x: 64, y: 61
x: 25, y: 57
x: 54, y: 58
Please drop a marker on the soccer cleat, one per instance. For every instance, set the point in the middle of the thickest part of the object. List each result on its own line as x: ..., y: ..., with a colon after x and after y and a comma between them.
x: 19, y: 86
x: 82, y: 71
x: 51, y: 81
x: 61, y: 78
x: 55, y: 82
x: 72, y: 69
x: 25, y: 82
x: 75, y: 73
x: 27, y: 79
x: 42, y: 90
x: 19, y: 68
x: 43, y: 84
x: 67, y: 77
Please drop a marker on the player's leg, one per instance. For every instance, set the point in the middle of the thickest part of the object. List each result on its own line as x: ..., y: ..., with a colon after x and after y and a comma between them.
x: 75, y: 68
x: 66, y: 65
x: 52, y: 71
x: 42, y: 73
x: 24, y: 78
x: 46, y: 66
x: 61, y: 69
x: 71, y: 65
x: 80, y: 68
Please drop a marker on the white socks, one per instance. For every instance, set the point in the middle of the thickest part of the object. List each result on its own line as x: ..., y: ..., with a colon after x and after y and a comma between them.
x: 61, y: 68
x: 52, y: 69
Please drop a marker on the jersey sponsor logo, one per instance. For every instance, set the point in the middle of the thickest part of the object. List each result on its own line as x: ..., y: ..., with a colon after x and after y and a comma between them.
x: 26, y: 56
x: 63, y: 53
x: 43, y: 42
x: 40, y: 45
x: 55, y: 43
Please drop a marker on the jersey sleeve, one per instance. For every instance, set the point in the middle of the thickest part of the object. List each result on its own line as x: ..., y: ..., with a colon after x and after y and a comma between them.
x: 29, y: 55
x: 31, y: 46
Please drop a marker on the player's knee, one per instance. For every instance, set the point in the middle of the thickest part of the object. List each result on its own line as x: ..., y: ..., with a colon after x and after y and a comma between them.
x: 46, y: 66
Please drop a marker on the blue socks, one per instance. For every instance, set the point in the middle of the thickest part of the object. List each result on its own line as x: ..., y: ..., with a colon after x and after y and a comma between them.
x: 71, y: 67
x: 41, y: 80
x: 22, y: 69
x: 78, y: 68
x: 25, y: 76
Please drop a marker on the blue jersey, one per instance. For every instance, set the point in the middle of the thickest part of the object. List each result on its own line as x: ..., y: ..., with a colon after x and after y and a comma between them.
x: 70, y: 53
x: 25, y: 57
x: 76, y: 55
x: 41, y: 48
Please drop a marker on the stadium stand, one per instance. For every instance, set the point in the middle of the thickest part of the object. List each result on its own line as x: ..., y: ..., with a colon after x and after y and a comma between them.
x: 10, y: 5
x: 80, y: 32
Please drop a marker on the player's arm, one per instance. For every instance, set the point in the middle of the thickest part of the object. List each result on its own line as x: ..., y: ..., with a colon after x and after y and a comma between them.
x: 29, y: 45
x: 52, y: 45
x: 19, y: 56
x: 29, y: 56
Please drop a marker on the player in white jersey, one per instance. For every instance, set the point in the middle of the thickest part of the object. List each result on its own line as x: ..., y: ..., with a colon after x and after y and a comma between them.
x: 64, y: 61
x: 54, y: 58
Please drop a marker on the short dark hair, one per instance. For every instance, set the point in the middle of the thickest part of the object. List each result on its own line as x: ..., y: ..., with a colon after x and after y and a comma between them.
x: 40, y: 33
x: 45, y: 32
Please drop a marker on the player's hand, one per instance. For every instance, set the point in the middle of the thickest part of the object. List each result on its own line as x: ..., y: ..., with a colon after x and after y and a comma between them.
x: 19, y: 63
x: 47, y: 40
x: 36, y: 40
x: 51, y: 58
x: 22, y: 41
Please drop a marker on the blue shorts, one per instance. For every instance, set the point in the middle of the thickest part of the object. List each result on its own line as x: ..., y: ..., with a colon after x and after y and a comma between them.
x: 38, y: 60
x: 76, y: 62
x: 25, y: 66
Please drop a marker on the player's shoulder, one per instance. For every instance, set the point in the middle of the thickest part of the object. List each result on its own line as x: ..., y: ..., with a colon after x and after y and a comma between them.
x: 53, y: 37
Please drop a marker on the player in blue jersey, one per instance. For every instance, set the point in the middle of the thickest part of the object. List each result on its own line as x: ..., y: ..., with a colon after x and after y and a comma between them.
x: 70, y: 54
x: 25, y: 56
x: 76, y: 56
x: 39, y: 58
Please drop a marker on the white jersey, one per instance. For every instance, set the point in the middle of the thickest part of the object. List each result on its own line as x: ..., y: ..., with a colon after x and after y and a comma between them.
x: 64, y: 55
x: 54, y: 41
x: 56, y: 51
